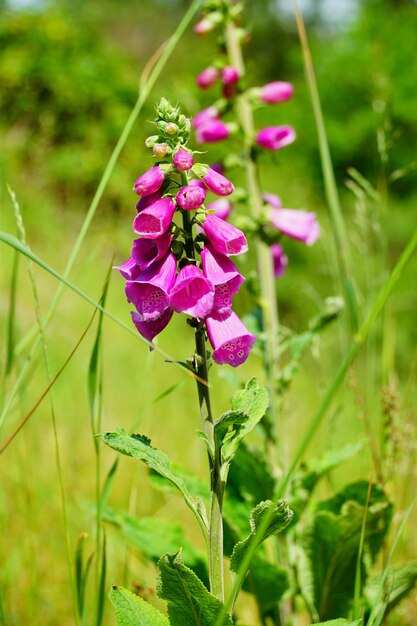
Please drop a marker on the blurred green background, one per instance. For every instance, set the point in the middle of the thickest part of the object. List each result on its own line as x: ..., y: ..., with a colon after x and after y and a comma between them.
x: 69, y: 76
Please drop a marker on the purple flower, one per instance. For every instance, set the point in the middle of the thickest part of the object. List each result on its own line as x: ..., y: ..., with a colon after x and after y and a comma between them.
x: 148, y: 200
x: 221, y: 208
x: 192, y: 293
x: 190, y: 197
x: 149, y: 182
x: 296, y: 224
x: 275, y: 137
x: 129, y: 269
x: 223, y: 274
x: 211, y: 131
x: 154, y: 220
x: 272, y: 199
x: 278, y: 91
x: 217, y: 183
x: 150, y: 329
x: 230, y: 75
x: 230, y: 340
x: 224, y: 237
x: 208, y: 77
x: 279, y: 259
x: 183, y: 160
x: 197, y: 183
x: 149, y: 292
x: 145, y: 252
x: 210, y: 113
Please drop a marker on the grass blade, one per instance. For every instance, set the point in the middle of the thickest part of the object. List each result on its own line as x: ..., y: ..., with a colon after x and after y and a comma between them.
x: 332, y: 196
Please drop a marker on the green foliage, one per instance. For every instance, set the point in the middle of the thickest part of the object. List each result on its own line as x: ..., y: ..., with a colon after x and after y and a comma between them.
x: 189, y: 602
x: 279, y: 516
x: 248, y: 408
x: 82, y: 570
x: 329, y: 546
x: 339, y: 622
x: 133, y: 611
x: 398, y: 583
x: 154, y: 536
x: 267, y: 582
x: 139, y: 447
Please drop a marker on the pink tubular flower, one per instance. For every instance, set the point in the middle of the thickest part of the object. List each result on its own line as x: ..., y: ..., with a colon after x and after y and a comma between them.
x: 211, y: 131
x: 183, y: 160
x: 221, y: 208
x: 150, y: 329
x: 275, y: 137
x: 279, y: 259
x: 197, y: 183
x: 145, y: 252
x: 272, y: 199
x: 217, y: 183
x: 223, y: 274
x: 210, y: 113
x: 224, y: 237
x: 192, y: 293
x: 148, y: 200
x: 149, y: 182
x: 230, y: 340
x: 154, y: 220
x: 190, y: 197
x: 208, y: 77
x: 230, y: 75
x: 275, y: 92
x: 129, y: 269
x: 296, y: 224
x: 149, y: 292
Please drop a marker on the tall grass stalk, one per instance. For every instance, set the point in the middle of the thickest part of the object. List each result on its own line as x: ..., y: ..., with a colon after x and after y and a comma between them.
x: 45, y: 355
x: 10, y: 326
x: 145, y: 89
x: 357, y: 343
x: 341, y: 249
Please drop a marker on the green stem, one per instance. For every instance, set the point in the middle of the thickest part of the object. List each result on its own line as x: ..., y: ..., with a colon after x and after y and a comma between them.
x: 217, y: 484
x: 268, y: 300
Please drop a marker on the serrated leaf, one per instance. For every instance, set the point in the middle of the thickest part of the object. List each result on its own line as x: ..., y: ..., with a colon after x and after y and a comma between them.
x: 233, y: 420
x: 133, y: 611
x: 253, y: 402
x: 399, y: 581
x: 329, y: 548
x: 280, y: 515
x: 139, y: 447
x: 189, y: 602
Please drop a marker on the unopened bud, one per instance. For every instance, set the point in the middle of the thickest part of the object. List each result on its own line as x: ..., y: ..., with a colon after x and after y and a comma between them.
x: 151, y: 141
x: 160, y: 149
x: 171, y: 129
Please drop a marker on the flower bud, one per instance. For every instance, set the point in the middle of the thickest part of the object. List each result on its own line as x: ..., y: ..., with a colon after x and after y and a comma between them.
x: 217, y: 183
x: 171, y: 129
x: 183, y: 160
x: 208, y: 77
x: 211, y: 131
x: 160, y: 149
x: 230, y: 75
x: 210, y: 113
x: 150, y: 141
x: 190, y: 197
x: 279, y: 259
x: 149, y: 182
x: 275, y: 92
x: 275, y: 137
x: 221, y: 208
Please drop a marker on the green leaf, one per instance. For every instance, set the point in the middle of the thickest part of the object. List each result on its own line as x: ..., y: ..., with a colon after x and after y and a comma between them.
x: 267, y: 582
x: 139, y: 447
x: 154, y: 536
x: 133, y: 611
x: 399, y: 581
x: 189, y: 602
x: 280, y: 515
x: 329, y: 548
x: 250, y: 478
x: 248, y: 408
x: 339, y: 622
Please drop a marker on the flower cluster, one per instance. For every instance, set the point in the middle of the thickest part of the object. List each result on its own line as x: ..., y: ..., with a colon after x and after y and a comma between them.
x: 210, y: 127
x: 180, y: 261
